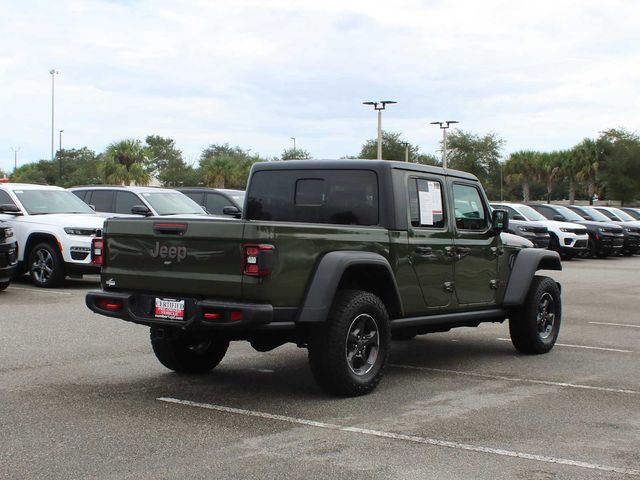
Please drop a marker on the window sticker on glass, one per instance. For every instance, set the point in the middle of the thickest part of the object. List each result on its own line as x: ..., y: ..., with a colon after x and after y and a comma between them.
x: 426, y: 207
x: 437, y: 197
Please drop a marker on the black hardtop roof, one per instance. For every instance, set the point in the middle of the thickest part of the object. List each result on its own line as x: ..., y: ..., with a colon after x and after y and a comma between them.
x: 359, y: 164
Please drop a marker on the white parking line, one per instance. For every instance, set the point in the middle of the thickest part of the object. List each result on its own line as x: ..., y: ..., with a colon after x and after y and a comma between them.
x: 517, y: 379
x: 617, y: 350
x: 403, y: 437
x: 41, y: 290
x: 616, y: 324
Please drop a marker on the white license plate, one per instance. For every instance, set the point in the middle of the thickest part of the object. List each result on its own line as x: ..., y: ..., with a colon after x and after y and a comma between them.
x: 169, y: 308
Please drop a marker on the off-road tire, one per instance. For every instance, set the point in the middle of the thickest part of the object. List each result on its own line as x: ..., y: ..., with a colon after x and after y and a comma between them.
x: 46, y: 267
x: 331, y: 344
x: 185, y: 353
x: 529, y: 323
x: 4, y: 285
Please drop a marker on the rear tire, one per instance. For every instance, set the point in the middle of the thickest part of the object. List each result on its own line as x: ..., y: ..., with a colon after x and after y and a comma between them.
x: 185, y: 353
x: 347, y: 355
x: 4, y: 285
x: 535, y: 325
x: 46, y: 266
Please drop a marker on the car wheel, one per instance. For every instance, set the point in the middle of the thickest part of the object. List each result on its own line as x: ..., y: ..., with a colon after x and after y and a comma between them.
x: 184, y: 353
x: 46, y: 267
x: 535, y: 325
x: 4, y: 285
x: 348, y: 354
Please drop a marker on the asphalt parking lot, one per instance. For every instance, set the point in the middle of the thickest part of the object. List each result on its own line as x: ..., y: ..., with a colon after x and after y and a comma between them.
x: 82, y: 396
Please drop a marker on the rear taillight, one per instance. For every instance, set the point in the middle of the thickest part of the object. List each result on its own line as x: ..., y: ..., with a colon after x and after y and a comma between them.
x: 97, y: 251
x: 258, y: 260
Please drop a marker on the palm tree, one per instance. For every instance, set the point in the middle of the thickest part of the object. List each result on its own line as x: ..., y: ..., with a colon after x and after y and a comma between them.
x: 523, y: 167
x: 124, y: 163
x: 570, y: 167
x: 548, y: 170
x: 589, y: 156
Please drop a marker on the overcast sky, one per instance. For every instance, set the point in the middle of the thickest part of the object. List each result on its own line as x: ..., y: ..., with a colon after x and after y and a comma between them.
x: 542, y: 75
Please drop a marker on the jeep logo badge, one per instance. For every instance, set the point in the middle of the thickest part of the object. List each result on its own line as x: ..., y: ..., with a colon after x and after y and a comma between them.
x: 168, y: 253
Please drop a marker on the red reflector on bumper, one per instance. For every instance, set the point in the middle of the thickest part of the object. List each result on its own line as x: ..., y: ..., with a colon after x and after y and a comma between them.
x: 111, y: 305
x: 235, y: 316
x: 211, y: 316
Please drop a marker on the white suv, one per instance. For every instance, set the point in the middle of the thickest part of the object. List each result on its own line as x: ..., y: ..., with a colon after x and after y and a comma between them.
x: 53, y: 228
x: 568, y: 239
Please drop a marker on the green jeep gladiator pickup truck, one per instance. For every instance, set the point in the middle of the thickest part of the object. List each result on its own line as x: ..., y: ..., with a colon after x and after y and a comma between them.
x: 339, y: 257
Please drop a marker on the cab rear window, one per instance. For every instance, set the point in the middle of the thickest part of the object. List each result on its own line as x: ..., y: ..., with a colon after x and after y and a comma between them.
x: 344, y: 197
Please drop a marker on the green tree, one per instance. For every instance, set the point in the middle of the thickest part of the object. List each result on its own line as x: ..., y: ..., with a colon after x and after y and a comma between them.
x: 589, y: 155
x: 295, y: 154
x: 522, y: 167
x: 393, y: 148
x: 223, y: 166
x: 620, y: 169
x: 570, y: 168
x: 479, y: 155
x: 79, y: 167
x: 124, y: 163
x: 159, y: 151
x: 32, y: 173
x: 549, y: 170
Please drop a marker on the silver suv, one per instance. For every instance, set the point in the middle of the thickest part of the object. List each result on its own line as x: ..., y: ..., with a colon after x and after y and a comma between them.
x: 113, y: 200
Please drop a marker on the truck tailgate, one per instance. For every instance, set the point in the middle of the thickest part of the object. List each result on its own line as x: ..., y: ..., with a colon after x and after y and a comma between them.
x: 194, y: 256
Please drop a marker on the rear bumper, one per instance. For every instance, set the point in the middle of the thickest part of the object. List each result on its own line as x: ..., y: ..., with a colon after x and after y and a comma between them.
x: 81, y: 269
x: 232, y: 316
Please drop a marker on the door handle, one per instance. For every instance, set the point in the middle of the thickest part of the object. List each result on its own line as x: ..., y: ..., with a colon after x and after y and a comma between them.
x: 424, y: 250
x: 449, y: 251
x: 462, y: 252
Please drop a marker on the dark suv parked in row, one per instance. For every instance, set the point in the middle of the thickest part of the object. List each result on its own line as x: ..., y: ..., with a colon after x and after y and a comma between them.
x: 216, y: 201
x: 604, y: 238
x: 631, y: 235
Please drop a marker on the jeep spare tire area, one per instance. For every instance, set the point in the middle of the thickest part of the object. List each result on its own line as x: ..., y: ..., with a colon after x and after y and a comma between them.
x: 348, y: 354
x: 46, y: 267
x: 535, y: 325
x: 185, y: 353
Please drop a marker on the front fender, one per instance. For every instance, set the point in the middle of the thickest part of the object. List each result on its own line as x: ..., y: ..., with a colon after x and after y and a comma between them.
x: 528, y: 261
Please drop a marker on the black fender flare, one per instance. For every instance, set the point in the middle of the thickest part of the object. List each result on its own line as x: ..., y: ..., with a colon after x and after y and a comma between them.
x: 326, y: 279
x: 527, y: 262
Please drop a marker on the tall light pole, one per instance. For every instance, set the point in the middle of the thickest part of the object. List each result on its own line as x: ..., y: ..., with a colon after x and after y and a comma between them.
x: 379, y: 106
x: 406, y: 151
x: 53, y: 73
x: 60, y: 141
x: 444, y: 126
x: 294, y: 143
x: 60, y: 154
x: 15, y: 158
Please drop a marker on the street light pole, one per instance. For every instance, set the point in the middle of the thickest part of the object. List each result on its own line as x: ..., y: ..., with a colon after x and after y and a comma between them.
x: 406, y: 151
x: 444, y: 126
x: 379, y: 106
x: 60, y: 154
x: 53, y: 73
x: 294, y: 142
x: 60, y: 141
x: 15, y: 158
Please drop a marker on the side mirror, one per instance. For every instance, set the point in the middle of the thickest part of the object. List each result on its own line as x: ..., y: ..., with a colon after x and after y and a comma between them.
x: 141, y: 210
x: 93, y: 207
x: 558, y: 218
x: 519, y: 217
x: 10, y: 208
x: 232, y: 211
x: 499, y: 221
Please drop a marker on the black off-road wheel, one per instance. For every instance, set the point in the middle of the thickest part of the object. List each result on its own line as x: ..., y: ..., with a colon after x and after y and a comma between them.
x: 348, y: 354
x: 46, y: 266
x: 535, y: 325
x: 4, y: 285
x: 187, y: 353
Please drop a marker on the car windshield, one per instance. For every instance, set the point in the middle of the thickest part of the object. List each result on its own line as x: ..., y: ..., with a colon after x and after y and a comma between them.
x: 609, y: 215
x: 530, y: 214
x: 43, y: 202
x: 623, y: 215
x: 172, y: 203
x: 596, y: 215
x: 570, y: 215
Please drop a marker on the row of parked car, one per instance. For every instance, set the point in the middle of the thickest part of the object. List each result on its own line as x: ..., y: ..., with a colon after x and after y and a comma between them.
x: 585, y: 231
x: 47, y: 231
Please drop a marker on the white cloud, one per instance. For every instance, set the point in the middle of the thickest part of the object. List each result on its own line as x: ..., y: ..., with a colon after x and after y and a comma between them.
x: 541, y: 74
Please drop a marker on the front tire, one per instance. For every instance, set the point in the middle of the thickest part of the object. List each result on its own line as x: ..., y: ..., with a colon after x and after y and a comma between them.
x: 348, y: 354
x: 46, y: 267
x: 184, y: 353
x: 4, y: 285
x: 535, y: 325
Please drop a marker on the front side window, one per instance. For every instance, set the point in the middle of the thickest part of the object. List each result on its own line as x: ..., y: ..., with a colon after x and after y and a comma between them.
x: 125, y: 201
x: 344, y: 197
x: 426, y: 205
x: 216, y: 203
x: 470, y: 213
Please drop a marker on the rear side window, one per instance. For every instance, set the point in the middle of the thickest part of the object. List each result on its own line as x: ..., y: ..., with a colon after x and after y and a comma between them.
x: 345, y: 197
x: 426, y: 206
x: 102, y: 200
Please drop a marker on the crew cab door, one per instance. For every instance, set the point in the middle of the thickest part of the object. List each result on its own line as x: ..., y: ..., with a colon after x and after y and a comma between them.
x: 476, y: 245
x: 430, y: 239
